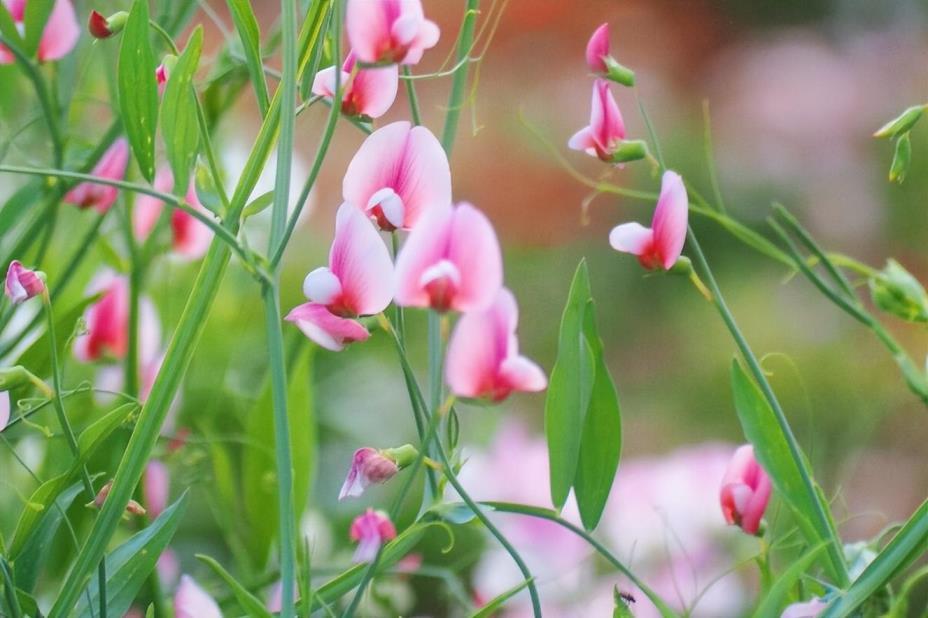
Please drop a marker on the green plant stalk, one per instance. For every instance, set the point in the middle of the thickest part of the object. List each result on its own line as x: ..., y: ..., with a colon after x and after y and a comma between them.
x: 412, y: 96
x: 459, y: 81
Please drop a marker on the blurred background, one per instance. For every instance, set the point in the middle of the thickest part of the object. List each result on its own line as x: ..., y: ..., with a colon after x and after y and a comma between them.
x: 794, y: 90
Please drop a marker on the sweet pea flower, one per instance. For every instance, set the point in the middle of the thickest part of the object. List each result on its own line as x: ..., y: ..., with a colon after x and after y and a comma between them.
x: 190, y: 238
x: 745, y: 491
x: 389, y: 30
x: 59, y: 36
x: 22, y: 283
x: 602, y: 63
x: 191, y: 601
x: 660, y: 245
x: 358, y: 281
x: 807, y: 609
x: 370, y: 92
x: 111, y: 166
x: 451, y: 260
x: 156, y: 487
x: 5, y: 408
x: 107, y: 320
x: 370, y: 466
x: 604, y: 135
x: 483, y: 356
x: 168, y: 567
x: 101, y: 27
x: 398, y: 173
x: 371, y: 530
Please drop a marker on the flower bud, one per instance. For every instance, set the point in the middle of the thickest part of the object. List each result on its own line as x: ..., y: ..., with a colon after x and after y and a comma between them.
x: 902, y: 123
x: 745, y: 491
x: 133, y: 508
x: 163, y: 72
x: 371, y: 529
x: 896, y: 291
x: 901, y: 159
x: 104, y: 27
x: 22, y: 283
x: 370, y: 466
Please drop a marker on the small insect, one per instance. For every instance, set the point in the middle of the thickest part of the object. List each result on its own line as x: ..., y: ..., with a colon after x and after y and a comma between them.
x: 626, y: 596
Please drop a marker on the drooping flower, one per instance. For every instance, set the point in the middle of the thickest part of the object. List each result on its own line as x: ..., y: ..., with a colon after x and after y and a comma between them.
x: 807, y: 609
x: 370, y: 92
x: 111, y: 166
x: 602, y: 63
x: 357, y: 281
x: 59, y: 36
x: 483, y: 355
x: 191, y: 601
x: 398, y: 173
x: 156, y: 487
x: 389, y: 30
x: 22, y: 283
x: 190, y: 238
x: 107, y: 320
x: 451, y: 260
x: 660, y: 245
x: 745, y: 491
x: 605, y: 134
x: 5, y: 409
x: 370, y: 466
x: 370, y: 530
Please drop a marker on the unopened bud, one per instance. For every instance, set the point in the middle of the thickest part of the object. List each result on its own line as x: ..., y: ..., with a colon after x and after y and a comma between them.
x: 901, y: 159
x: 618, y: 73
x: 22, y: 283
x: 133, y: 508
x: 896, y: 291
x: 104, y: 27
x: 902, y: 123
x: 370, y: 466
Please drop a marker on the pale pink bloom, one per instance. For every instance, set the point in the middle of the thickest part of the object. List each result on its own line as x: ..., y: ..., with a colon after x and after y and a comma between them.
x: 275, y: 597
x: 389, y: 30
x: 660, y: 245
x: 111, y: 166
x: 368, y: 467
x: 59, y: 36
x: 398, y: 173
x: 134, y: 612
x: 606, y: 131
x: 745, y: 491
x: 369, y: 93
x: 370, y: 530
x: 451, y: 260
x: 22, y: 283
x: 191, y: 601
x: 597, y: 50
x: 5, y: 409
x: 190, y: 238
x: 151, y: 356
x: 808, y: 609
x: 156, y: 487
x: 358, y: 281
x: 168, y: 567
x: 161, y: 76
x: 483, y: 356
x: 107, y: 320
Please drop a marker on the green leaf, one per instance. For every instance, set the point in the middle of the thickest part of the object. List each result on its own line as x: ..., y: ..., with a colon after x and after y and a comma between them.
x: 19, y: 204
x: 247, y: 27
x: 775, y: 600
x: 129, y: 565
x: 138, y: 89
x: 601, y: 442
x: 252, y: 605
x: 100, y: 429
x: 8, y: 27
x: 909, y: 544
x: 497, y: 602
x: 258, y: 204
x: 35, y: 17
x: 36, y: 547
x: 179, y: 114
x: 569, y: 390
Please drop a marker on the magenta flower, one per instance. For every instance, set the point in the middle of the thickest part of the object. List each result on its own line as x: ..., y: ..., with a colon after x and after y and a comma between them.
x: 190, y: 238
x: 5, y: 409
x: 398, y: 173
x: 370, y: 530
x: 483, y: 356
x: 745, y: 491
x: 22, y: 283
x: 660, y: 245
x: 358, y: 281
x: 161, y: 76
x: 606, y: 131
x: 191, y: 601
x: 156, y: 487
x: 597, y: 50
x: 808, y: 609
x: 111, y: 166
x: 368, y: 467
x: 389, y: 30
x: 59, y: 36
x: 451, y: 260
x: 370, y: 92
x: 107, y: 320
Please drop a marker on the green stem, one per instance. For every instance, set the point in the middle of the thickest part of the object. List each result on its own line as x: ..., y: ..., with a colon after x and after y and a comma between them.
x: 412, y: 96
x: 459, y: 81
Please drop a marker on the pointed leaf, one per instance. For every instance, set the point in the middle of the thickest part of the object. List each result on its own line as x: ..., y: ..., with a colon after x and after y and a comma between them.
x: 179, y: 126
x: 36, y: 548
x: 138, y: 89
x: 247, y: 27
x: 499, y: 601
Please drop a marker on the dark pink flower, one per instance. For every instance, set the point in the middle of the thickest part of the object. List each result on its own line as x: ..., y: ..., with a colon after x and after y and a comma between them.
x: 368, y: 467
x: 190, y: 238
x: 161, y: 76
x: 597, y: 50
x: 107, y: 320
x: 191, y: 601
x: 606, y: 131
x: 371, y: 530
x: 370, y: 92
x: 389, y: 30
x: 660, y: 245
x: 745, y: 491
x: 59, y: 36
x: 22, y: 283
x: 111, y: 166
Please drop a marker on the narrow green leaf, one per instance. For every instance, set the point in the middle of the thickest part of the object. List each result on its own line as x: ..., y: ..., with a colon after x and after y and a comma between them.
x: 8, y: 28
x: 18, y: 205
x: 247, y: 27
x: 179, y: 114
x: 601, y: 442
x: 37, y: 546
x: 775, y: 600
x: 138, y: 89
x: 35, y: 17
x: 250, y: 604
x: 497, y: 602
x: 258, y: 204
x: 100, y: 429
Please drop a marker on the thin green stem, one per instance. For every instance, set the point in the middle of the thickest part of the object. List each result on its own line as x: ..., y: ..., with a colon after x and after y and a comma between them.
x: 459, y: 81
x: 710, y: 156
x: 412, y: 96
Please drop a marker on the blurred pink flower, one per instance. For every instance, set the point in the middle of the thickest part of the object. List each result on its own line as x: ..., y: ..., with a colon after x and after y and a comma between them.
x: 358, y: 281
x: 389, y: 30
x: 398, y: 173
x: 807, y: 609
x: 483, y: 358
x: 370, y: 530
x: 370, y: 92
x: 22, y: 283
x: 168, y: 567
x: 107, y: 320
x: 745, y: 491
x: 368, y: 467
x: 191, y: 601
x: 5, y: 409
x: 190, y: 238
x: 161, y: 76
x: 597, y: 49
x: 602, y: 137
x: 451, y: 260
x: 660, y: 245
x: 156, y: 487
x: 112, y: 166
x: 59, y: 36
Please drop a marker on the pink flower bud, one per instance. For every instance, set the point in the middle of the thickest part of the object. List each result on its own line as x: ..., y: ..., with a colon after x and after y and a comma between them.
x: 111, y: 166
x: 191, y: 601
x: 101, y: 27
x: 163, y: 72
x: 597, y: 50
x: 22, y: 283
x: 745, y: 491
x: 369, y: 92
x: 371, y: 530
x: 156, y: 487
x: 389, y: 30
x: 368, y: 467
x: 59, y: 36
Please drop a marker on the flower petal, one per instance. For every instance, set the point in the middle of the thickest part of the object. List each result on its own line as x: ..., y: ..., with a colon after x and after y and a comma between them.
x: 424, y: 247
x: 670, y: 218
x: 605, y: 117
x: 360, y: 260
x: 368, y: 28
x: 191, y: 601
x: 523, y: 374
x: 474, y: 249
x: 631, y: 238
x: 597, y: 48
x: 322, y: 286
x: 583, y: 140
x: 61, y: 32
x: 374, y: 90
x: 325, y: 328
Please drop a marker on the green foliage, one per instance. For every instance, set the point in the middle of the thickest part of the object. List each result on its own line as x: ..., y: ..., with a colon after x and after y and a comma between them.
x: 138, y: 88
x: 36, y: 548
x: 247, y: 27
x: 179, y: 114
x: 776, y: 598
x: 250, y: 604
x: 35, y: 16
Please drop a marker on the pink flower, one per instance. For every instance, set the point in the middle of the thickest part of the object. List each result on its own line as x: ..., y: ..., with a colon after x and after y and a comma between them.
x: 745, y: 491
x: 389, y: 30
x: 22, y: 283
x: 5, y: 408
x: 161, y: 76
x: 597, y: 50
x: 168, y: 567
x: 59, y: 36
x: 368, y: 467
x: 371, y: 530
x: 111, y: 166
x: 483, y: 356
x: 808, y: 609
x: 156, y: 487
x: 191, y: 601
x: 107, y: 320
x: 451, y: 260
x: 369, y: 93
x: 606, y: 131
x: 398, y: 173
x: 660, y: 245
x: 190, y: 237
x: 358, y: 281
